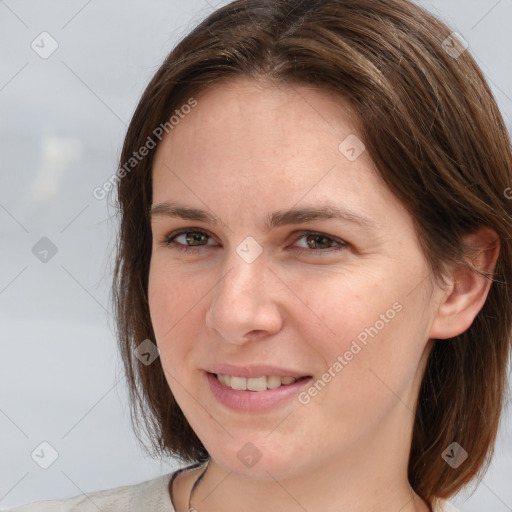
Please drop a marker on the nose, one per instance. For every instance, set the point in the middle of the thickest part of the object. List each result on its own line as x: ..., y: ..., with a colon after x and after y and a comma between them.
x: 245, y: 304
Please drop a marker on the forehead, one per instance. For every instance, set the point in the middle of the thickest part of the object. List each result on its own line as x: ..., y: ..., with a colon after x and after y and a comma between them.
x: 258, y: 110
x: 254, y: 128
x: 255, y: 143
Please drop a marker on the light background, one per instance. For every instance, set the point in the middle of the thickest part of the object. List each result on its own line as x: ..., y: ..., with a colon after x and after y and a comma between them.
x: 62, y: 122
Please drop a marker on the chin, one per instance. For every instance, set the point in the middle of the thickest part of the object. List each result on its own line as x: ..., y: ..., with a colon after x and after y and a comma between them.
x: 261, y: 464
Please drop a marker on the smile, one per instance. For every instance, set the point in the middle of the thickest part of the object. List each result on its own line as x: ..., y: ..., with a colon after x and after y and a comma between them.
x: 255, y: 394
x: 256, y: 383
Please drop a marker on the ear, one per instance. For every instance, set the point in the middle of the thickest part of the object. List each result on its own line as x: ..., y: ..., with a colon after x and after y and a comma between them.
x: 468, y: 291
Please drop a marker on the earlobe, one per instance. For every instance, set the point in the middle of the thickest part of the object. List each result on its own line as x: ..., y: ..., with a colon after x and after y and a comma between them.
x: 468, y: 292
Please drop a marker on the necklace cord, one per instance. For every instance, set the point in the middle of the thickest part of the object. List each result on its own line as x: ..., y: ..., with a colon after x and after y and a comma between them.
x: 196, y: 483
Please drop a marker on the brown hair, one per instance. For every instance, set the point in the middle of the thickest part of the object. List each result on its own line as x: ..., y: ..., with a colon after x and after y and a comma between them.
x: 434, y: 131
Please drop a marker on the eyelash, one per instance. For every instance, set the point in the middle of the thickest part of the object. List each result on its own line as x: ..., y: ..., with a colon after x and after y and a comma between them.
x: 168, y: 241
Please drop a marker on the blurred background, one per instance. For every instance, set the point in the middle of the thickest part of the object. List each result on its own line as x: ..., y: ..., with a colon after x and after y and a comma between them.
x: 71, y: 73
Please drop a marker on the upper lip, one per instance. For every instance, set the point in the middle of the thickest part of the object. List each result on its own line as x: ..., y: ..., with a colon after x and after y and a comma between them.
x: 254, y: 370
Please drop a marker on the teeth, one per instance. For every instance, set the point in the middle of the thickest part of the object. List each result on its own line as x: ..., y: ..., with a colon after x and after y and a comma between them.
x: 239, y: 383
x: 273, y: 382
x: 255, y: 384
x: 225, y: 379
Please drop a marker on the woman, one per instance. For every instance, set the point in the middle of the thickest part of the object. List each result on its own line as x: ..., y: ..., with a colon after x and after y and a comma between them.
x: 315, y: 233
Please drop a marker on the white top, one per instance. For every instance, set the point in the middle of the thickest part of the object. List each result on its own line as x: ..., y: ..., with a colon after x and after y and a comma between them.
x: 149, y: 496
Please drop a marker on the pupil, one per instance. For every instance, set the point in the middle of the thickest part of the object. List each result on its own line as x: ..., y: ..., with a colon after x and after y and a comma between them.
x: 194, y: 236
x: 316, y: 238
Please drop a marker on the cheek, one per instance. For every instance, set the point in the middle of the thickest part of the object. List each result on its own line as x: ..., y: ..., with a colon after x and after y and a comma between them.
x: 338, y: 310
x: 170, y: 293
x: 167, y: 306
x: 159, y: 300
x: 365, y: 333
x: 170, y: 302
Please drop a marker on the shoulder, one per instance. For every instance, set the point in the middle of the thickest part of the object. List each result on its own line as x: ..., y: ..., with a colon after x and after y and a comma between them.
x: 150, y: 495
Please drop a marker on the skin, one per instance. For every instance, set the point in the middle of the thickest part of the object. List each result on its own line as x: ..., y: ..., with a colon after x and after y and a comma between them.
x: 249, y: 148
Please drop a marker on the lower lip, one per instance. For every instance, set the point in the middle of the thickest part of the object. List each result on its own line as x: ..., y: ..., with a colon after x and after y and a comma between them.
x: 254, y: 400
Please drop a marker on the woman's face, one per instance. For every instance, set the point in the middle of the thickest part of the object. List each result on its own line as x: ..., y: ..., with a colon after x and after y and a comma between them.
x: 345, y: 301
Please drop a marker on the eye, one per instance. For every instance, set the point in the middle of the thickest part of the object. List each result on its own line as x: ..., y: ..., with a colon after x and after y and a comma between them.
x: 314, y: 239
x: 189, y: 236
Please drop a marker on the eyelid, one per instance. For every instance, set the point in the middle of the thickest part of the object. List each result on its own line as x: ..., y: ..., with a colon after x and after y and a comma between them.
x: 297, y: 235
x: 188, y: 229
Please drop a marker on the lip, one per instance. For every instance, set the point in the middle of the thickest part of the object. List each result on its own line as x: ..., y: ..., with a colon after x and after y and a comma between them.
x: 254, y: 370
x: 254, y: 401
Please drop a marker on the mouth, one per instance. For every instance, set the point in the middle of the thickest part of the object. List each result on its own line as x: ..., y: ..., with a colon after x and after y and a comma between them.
x: 257, y: 384
x: 256, y: 395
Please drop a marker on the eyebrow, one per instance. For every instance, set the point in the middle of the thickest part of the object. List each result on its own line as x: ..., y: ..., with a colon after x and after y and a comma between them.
x: 275, y: 219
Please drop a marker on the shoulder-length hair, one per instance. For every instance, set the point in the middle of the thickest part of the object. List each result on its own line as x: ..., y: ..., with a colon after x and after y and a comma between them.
x: 432, y: 127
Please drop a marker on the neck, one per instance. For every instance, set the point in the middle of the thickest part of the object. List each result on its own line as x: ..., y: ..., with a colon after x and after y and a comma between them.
x: 350, y: 487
